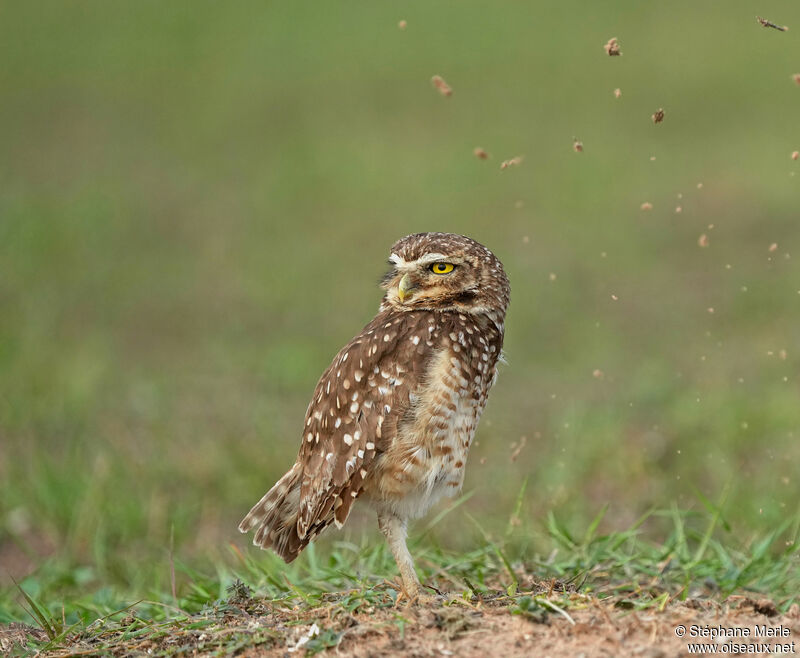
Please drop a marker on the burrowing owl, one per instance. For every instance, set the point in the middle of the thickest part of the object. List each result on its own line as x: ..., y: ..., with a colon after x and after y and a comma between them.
x: 392, y: 418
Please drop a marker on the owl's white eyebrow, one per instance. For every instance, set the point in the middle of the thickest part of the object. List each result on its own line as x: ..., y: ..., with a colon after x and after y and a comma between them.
x: 422, y: 260
x: 429, y: 258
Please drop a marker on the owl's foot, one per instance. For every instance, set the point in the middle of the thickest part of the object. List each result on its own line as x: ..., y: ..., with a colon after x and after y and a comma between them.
x: 419, y: 597
x: 427, y: 600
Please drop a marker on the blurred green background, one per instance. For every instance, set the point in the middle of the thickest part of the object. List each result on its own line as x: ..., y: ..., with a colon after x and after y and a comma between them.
x: 197, y: 202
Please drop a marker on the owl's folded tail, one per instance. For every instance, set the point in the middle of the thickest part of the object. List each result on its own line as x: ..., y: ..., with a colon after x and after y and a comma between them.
x: 275, y: 517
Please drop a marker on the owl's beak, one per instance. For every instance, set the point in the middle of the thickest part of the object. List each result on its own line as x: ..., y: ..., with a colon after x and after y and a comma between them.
x: 406, y: 284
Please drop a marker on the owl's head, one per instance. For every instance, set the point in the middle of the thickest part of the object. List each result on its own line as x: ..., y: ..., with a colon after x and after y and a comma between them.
x: 445, y: 272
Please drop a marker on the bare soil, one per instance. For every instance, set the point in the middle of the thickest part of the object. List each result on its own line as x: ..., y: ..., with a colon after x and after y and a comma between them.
x: 463, y: 628
x: 597, y: 631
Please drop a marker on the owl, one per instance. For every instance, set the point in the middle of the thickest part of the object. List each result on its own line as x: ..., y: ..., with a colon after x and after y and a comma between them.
x: 392, y: 418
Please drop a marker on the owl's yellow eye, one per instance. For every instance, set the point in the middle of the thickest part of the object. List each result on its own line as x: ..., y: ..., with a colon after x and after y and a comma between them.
x: 442, y: 268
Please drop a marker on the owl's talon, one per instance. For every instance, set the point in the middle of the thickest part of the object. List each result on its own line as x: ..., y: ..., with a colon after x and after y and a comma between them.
x: 427, y: 600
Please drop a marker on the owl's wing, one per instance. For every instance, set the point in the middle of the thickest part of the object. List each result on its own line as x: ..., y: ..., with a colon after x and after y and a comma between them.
x: 355, y: 411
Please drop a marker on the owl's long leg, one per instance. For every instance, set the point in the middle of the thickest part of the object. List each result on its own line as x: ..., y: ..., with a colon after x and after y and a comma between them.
x: 394, y: 529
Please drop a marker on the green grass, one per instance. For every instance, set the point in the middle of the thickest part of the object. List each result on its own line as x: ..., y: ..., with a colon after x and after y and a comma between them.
x: 196, y: 203
x: 622, y: 570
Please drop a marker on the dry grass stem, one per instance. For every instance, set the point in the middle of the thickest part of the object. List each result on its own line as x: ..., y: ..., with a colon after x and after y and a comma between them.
x: 512, y: 162
x: 766, y: 23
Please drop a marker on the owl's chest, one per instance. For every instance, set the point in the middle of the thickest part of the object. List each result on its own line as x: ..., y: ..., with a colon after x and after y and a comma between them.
x: 427, y: 458
x: 458, y: 395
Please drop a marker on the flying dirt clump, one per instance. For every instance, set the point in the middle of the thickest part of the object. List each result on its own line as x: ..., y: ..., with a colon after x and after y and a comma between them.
x: 443, y: 88
x: 612, y: 47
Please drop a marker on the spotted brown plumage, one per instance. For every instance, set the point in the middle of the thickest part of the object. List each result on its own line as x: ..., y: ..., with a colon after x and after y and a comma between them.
x: 392, y: 418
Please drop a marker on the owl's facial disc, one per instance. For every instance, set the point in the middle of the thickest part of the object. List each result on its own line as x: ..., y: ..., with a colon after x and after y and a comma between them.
x: 433, y: 281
